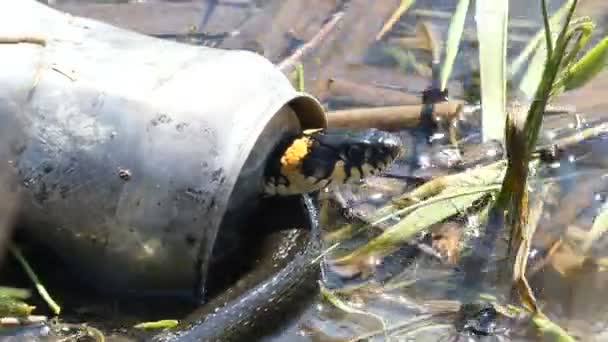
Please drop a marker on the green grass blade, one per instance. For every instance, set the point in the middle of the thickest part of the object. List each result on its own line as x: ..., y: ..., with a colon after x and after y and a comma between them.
x: 162, y: 324
x: 492, y: 21
x: 13, y: 292
x: 521, y: 59
x: 453, y: 42
x: 531, y: 79
x: 426, y: 214
x: 548, y: 39
x: 300, y: 77
x: 581, y: 33
x: 591, y: 64
x: 34, y: 278
x: 464, y: 189
x: 550, y: 330
x: 11, y: 307
x: 551, y: 70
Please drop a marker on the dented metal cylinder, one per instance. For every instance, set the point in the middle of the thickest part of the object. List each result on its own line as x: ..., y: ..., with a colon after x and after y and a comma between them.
x: 133, y: 148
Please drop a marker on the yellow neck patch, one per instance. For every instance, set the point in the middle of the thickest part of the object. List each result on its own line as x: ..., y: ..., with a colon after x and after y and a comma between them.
x: 292, y: 158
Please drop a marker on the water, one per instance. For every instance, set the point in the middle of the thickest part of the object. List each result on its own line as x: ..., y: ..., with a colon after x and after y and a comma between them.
x: 418, y: 288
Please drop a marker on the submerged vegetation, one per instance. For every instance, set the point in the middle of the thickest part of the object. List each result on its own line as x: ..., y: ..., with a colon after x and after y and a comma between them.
x: 498, y: 194
x: 484, y: 220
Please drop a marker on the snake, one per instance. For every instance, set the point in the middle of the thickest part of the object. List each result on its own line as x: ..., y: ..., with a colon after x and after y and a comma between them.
x: 318, y: 158
x: 277, y: 287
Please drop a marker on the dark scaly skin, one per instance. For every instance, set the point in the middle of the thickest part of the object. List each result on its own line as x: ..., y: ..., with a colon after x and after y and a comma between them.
x: 266, y: 297
x: 263, y: 300
x: 319, y: 158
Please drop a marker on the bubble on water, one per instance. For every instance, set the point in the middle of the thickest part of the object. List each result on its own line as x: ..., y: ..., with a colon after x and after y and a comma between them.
x: 571, y: 158
x: 598, y: 197
x: 424, y: 161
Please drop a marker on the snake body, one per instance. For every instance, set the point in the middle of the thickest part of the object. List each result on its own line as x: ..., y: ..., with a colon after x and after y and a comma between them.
x: 302, y: 164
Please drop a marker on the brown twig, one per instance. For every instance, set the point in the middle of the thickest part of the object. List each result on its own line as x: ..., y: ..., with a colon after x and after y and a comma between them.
x: 394, y: 18
x: 23, y: 39
x: 391, y: 117
x: 289, y: 63
x: 538, y: 266
x: 577, y: 138
x: 549, y: 236
x: 433, y: 38
x: 515, y: 196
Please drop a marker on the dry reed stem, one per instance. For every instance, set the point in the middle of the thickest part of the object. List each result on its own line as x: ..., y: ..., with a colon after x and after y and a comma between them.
x: 289, y: 63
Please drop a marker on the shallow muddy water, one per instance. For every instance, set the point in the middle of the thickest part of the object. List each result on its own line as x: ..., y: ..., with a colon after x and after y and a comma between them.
x: 415, y: 291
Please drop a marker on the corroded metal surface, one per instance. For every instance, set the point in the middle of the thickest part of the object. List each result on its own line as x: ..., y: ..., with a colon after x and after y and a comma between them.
x: 133, y: 145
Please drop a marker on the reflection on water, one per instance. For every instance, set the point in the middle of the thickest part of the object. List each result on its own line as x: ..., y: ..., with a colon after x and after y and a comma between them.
x: 416, y: 290
x: 407, y: 283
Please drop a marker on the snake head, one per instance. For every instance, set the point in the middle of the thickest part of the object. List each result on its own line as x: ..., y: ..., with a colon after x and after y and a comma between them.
x: 319, y: 158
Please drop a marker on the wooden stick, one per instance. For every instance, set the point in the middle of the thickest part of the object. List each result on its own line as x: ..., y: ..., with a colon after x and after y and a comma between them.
x: 394, y: 18
x: 23, y: 39
x: 391, y: 118
x: 289, y: 63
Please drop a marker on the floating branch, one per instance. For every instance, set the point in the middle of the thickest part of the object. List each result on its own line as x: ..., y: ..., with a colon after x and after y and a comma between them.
x: 392, y: 117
